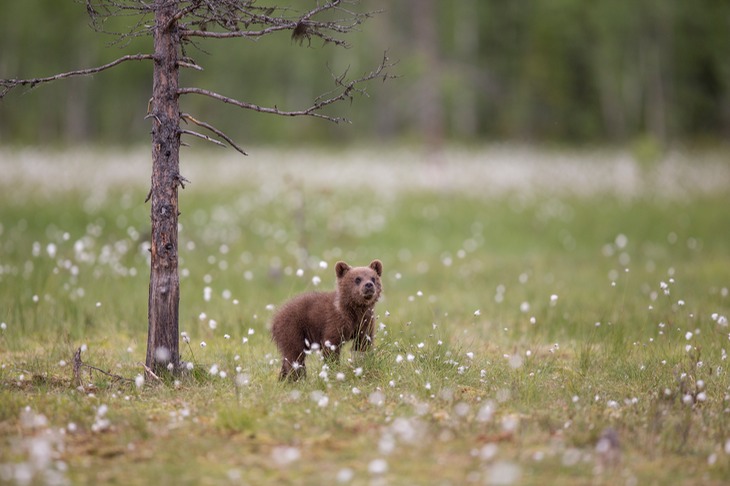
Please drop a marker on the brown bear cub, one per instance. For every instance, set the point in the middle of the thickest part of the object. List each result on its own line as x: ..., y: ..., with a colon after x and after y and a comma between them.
x: 326, y: 320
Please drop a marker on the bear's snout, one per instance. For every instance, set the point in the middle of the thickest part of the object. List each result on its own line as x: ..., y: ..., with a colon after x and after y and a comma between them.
x: 368, y: 290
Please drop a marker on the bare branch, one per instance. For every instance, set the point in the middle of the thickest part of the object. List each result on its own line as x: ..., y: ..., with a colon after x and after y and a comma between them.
x: 344, y: 91
x: 248, y: 21
x: 189, y: 65
x: 78, y: 364
x: 150, y: 373
x: 237, y: 33
x: 8, y: 84
x: 204, y: 137
x: 213, y: 129
x: 311, y: 111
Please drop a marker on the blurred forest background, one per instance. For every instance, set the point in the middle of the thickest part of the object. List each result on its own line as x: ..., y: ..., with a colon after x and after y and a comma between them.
x: 537, y: 71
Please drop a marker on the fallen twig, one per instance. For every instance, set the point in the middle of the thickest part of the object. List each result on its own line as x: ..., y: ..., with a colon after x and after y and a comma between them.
x: 79, y: 364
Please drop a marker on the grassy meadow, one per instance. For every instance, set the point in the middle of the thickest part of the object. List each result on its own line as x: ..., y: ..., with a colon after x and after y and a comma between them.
x: 556, y: 318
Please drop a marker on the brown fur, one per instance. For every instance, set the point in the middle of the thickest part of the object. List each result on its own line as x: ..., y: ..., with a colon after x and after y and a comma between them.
x: 326, y: 320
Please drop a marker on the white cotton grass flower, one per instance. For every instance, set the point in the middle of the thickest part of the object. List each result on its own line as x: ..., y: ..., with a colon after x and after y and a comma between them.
x: 488, y: 452
x: 101, y: 423
x: 212, y: 324
x: 477, y: 313
x: 139, y: 381
x: 377, y: 398
x: 503, y: 473
x: 51, y: 250
x: 203, y: 344
x: 510, y: 423
x: 345, y: 475
x: 486, y: 411
x: 316, y: 280
x: 378, y: 466
x: 243, y: 379
x: 285, y: 455
x: 162, y: 354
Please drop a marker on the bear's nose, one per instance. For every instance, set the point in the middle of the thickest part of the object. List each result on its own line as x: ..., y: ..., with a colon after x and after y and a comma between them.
x: 369, y: 285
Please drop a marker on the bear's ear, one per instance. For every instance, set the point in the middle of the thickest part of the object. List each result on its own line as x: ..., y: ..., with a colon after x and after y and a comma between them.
x: 341, y: 269
x: 377, y: 266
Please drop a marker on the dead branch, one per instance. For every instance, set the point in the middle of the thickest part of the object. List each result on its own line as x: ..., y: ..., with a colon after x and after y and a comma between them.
x: 236, y: 21
x: 150, y: 373
x: 79, y: 364
x: 8, y: 84
x: 346, y: 91
x: 189, y: 65
x: 311, y: 111
x: 213, y: 129
x: 204, y: 137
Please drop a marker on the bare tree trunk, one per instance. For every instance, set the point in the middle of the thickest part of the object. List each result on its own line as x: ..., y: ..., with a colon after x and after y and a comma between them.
x: 164, y: 296
x: 163, y: 350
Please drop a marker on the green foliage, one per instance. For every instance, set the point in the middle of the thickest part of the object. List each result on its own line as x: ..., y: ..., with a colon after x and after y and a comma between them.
x: 564, y: 71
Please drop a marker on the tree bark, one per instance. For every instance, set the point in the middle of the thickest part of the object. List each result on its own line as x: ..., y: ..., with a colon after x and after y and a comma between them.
x: 164, y: 292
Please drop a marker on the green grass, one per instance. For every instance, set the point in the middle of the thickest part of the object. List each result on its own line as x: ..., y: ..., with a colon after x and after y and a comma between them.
x: 574, y: 334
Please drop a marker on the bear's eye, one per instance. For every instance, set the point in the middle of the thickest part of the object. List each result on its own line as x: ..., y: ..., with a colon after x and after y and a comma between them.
x: 358, y: 280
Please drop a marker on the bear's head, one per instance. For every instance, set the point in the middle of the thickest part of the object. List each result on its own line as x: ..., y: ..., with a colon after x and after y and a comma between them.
x: 358, y: 286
